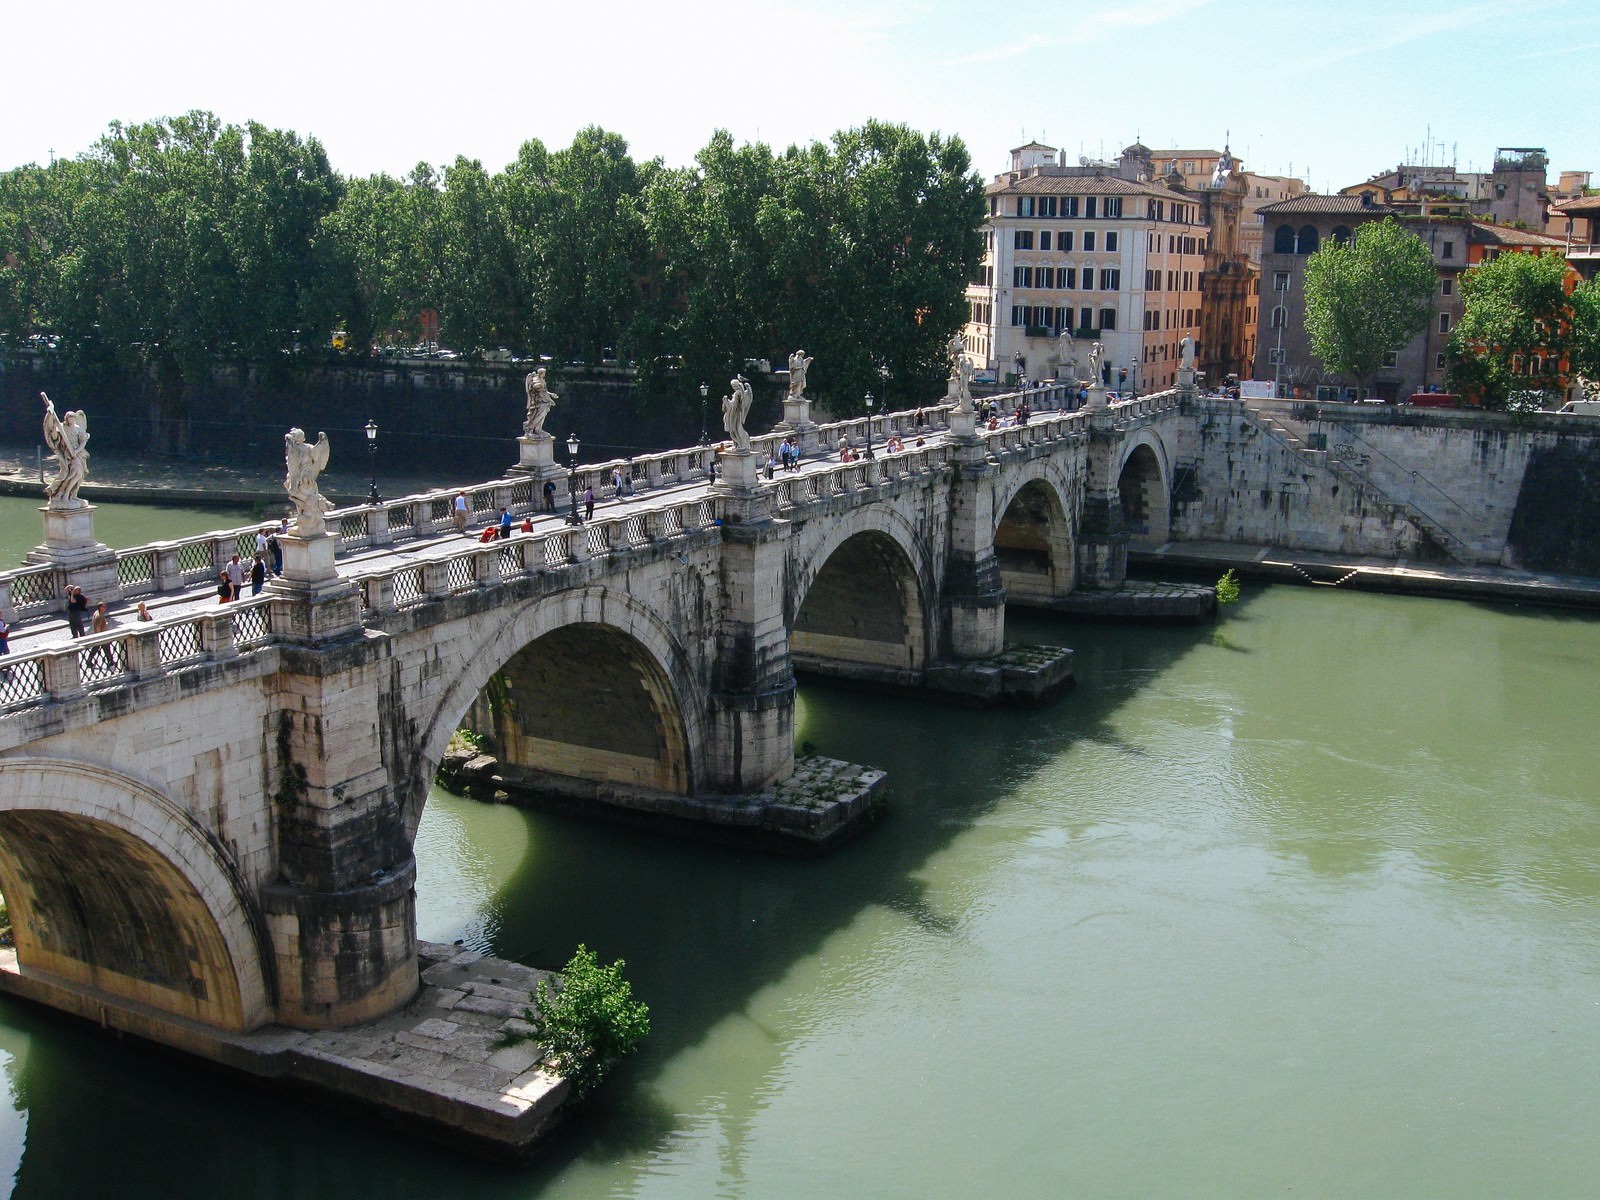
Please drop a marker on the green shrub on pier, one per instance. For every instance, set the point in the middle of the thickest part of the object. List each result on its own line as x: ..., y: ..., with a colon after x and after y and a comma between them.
x: 588, y: 1020
x: 1228, y: 588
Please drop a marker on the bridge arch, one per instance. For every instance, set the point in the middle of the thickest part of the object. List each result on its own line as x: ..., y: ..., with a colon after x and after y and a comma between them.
x: 113, y: 886
x: 1035, y: 540
x: 597, y: 669
x: 1144, y: 486
x: 859, y: 602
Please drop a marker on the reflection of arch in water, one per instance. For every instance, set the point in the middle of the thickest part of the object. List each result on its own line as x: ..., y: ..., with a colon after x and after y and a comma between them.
x: 1033, y: 545
x: 112, y: 886
x: 596, y: 688
x: 861, y: 610
x: 1143, y: 491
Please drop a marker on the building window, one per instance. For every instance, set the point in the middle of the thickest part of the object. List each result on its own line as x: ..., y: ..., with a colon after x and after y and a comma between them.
x: 1110, y: 279
x: 1391, y: 358
x: 1280, y: 317
x: 1022, y: 277
x: 1307, y: 243
x: 1438, y: 361
x: 1066, y: 277
x: 1444, y: 322
x: 1111, y: 242
x: 1047, y: 206
x: 1044, y: 239
x: 1022, y: 239
x: 1341, y: 235
x: 1088, y: 207
x: 1088, y: 241
x: 1064, y: 241
x: 1449, y: 250
x: 1283, y: 240
x: 1112, y: 207
x: 1446, y: 286
x: 1069, y: 206
x: 1088, y: 278
x: 1280, y: 281
x: 1086, y: 318
x: 1108, y: 318
x: 1275, y: 355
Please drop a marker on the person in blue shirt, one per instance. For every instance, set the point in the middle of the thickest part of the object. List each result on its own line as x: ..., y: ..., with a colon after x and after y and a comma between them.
x: 505, y: 522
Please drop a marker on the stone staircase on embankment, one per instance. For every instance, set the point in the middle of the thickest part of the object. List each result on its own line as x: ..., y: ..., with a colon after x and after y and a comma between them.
x: 1351, y: 467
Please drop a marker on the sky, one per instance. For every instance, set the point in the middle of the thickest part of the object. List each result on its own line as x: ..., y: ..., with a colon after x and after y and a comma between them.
x: 1332, y: 91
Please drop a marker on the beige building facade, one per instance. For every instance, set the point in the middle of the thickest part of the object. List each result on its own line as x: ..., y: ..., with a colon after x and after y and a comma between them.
x: 1075, y: 254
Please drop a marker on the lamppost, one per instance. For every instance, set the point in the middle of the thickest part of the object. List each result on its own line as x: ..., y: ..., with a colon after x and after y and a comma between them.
x: 372, y: 458
x: 705, y: 390
x: 572, y: 479
x: 1133, y: 378
x: 870, y: 399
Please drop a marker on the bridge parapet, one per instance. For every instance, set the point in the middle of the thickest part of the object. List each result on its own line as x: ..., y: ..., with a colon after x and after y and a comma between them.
x: 106, y: 661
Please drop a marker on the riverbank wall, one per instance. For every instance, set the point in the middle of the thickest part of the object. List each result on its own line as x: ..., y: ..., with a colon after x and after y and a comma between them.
x: 457, y: 420
x: 1425, y: 485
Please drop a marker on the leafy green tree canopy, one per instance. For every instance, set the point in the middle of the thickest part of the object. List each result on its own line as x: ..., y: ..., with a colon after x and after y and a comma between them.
x: 1368, y: 297
x: 1516, y: 334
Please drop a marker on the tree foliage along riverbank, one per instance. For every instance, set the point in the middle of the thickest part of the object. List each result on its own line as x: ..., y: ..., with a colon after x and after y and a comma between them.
x: 173, y: 245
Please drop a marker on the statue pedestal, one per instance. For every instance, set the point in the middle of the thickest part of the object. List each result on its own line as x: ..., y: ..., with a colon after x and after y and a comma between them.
x: 963, y: 423
x: 738, y: 471
x: 797, y: 420
x: 536, y: 455
x: 1097, y: 398
x: 744, y: 501
x: 69, y: 546
x: 308, y: 602
x: 1186, y: 376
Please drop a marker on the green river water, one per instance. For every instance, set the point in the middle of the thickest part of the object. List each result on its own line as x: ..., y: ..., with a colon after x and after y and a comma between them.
x: 1306, y: 902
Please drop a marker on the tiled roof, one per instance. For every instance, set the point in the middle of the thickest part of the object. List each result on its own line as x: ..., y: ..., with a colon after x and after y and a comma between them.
x: 1033, y: 146
x: 1312, y: 202
x: 1583, y: 204
x: 1079, y: 185
x: 1162, y: 155
x: 1484, y: 234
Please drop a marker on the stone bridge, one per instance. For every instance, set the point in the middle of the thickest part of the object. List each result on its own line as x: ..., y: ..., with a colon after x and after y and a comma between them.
x: 206, y: 821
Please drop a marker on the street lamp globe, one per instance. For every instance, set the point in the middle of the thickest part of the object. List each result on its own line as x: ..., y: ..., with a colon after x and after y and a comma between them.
x: 705, y: 390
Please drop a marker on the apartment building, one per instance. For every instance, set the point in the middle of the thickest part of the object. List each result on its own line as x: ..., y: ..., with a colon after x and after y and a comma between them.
x: 1095, y: 251
x: 1302, y: 225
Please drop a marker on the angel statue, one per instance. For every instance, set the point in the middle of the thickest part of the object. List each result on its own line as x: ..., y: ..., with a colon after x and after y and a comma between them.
x: 959, y: 390
x: 735, y: 408
x: 1186, y: 354
x: 67, y: 436
x: 305, y: 462
x: 1095, y: 351
x: 798, y: 362
x: 540, y: 401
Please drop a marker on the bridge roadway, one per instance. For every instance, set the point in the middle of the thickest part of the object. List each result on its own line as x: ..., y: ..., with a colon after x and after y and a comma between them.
x: 363, y: 559
x: 206, y: 820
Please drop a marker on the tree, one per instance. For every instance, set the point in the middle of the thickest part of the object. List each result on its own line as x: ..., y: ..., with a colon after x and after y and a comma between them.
x: 588, y: 1020
x: 1368, y: 297
x: 1586, y: 336
x: 1516, y: 333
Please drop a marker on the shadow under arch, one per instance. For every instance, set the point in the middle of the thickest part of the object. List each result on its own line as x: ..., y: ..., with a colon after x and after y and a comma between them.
x: 581, y: 663
x: 862, y: 611
x: 1034, y: 544
x: 114, y: 887
x: 1143, y: 490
